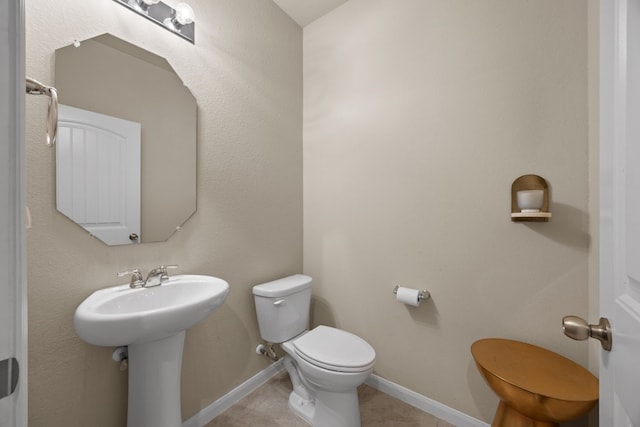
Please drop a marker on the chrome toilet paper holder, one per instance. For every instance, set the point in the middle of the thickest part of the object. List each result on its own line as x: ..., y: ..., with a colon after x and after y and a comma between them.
x: 422, y: 295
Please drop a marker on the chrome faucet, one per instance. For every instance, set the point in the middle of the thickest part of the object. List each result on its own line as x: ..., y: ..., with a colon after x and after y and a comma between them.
x: 136, y: 278
x: 157, y: 276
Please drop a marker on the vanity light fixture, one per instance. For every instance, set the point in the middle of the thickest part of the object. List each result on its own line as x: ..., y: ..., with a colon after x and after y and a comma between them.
x: 182, y: 15
x: 179, y: 20
x: 144, y: 5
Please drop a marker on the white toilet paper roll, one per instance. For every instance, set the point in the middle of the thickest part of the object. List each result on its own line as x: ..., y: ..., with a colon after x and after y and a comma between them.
x: 408, y: 296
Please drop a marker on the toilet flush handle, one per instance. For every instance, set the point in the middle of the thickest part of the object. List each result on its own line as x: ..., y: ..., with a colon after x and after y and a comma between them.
x: 279, y: 302
x: 577, y: 328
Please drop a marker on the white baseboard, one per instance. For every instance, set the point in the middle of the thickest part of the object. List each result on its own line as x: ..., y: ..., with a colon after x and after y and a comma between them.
x: 207, y: 414
x: 453, y: 416
x: 450, y: 415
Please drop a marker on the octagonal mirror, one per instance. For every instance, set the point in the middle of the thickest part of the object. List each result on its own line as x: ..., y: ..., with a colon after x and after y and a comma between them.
x: 126, y: 151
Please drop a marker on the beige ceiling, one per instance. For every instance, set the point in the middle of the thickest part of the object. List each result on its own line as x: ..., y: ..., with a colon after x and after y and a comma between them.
x: 307, y: 11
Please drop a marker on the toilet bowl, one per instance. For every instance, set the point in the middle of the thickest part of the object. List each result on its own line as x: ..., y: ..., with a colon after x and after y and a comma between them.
x: 325, y: 364
x: 332, y: 359
x: 536, y: 387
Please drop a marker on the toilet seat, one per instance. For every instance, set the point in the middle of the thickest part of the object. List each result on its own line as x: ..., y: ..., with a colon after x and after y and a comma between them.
x: 335, y: 350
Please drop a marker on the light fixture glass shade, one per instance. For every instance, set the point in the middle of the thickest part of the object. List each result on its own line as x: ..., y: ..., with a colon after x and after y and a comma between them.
x: 184, y: 14
x: 144, y: 5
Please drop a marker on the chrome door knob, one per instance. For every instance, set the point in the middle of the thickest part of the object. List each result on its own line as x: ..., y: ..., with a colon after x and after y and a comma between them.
x: 577, y: 328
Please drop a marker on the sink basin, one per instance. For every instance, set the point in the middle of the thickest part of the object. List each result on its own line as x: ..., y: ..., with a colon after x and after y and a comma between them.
x: 120, y: 315
x: 152, y: 323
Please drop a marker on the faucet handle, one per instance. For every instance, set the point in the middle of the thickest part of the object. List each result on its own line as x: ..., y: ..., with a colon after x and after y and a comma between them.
x: 136, y: 277
x: 157, y: 276
x: 126, y: 273
x: 164, y: 268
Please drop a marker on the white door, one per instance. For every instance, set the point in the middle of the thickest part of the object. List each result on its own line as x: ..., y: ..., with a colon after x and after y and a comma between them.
x: 13, y: 385
x: 620, y: 210
x: 98, y: 174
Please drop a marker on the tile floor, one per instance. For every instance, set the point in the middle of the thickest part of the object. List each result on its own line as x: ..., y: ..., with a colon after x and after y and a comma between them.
x: 268, y: 406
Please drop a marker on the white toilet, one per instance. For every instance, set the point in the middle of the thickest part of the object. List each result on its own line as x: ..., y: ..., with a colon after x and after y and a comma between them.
x: 326, y: 365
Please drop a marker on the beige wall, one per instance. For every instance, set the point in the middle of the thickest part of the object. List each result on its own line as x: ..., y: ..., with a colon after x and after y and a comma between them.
x: 245, y: 72
x: 418, y: 116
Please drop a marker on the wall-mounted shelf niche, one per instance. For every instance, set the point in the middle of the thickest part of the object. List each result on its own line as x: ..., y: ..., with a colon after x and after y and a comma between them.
x: 530, y: 182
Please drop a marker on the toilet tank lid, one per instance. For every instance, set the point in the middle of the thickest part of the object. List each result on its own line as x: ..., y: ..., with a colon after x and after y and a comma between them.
x: 283, y: 287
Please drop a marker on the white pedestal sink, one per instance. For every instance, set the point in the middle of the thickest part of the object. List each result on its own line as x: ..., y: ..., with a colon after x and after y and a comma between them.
x: 152, y: 323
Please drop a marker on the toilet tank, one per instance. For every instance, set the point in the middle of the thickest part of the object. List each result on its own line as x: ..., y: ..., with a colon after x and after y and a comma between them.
x: 282, y: 307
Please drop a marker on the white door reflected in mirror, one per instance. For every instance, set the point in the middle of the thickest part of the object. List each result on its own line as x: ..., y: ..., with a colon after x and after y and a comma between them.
x: 98, y: 174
